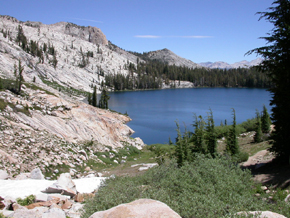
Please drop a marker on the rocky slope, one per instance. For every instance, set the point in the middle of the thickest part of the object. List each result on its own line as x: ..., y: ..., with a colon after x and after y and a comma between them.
x: 72, y: 44
x: 45, y: 130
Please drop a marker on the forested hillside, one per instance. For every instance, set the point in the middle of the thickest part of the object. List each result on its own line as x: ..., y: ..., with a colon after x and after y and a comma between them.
x: 154, y: 74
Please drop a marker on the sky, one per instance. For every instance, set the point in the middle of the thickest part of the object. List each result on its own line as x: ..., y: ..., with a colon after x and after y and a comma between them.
x: 198, y: 30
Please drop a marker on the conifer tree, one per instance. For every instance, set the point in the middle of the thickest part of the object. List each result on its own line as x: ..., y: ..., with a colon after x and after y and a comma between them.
x: 179, y: 150
x: 211, y: 135
x: 104, y: 101
x: 182, y: 151
x: 232, y: 146
x: 199, y: 135
x: 265, y: 121
x: 258, y: 134
x: 276, y: 64
x: 94, y: 97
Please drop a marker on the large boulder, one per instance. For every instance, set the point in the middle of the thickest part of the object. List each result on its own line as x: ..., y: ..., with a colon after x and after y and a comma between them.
x: 64, y: 185
x: 141, y: 208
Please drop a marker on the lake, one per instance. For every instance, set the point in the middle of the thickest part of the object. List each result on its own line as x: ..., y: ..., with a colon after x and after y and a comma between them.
x: 154, y: 112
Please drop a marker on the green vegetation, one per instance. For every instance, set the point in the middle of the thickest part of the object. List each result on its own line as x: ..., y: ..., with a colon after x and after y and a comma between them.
x: 26, y: 201
x: 276, y: 66
x: 265, y: 121
x: 232, y: 146
x: 258, y: 134
x: 104, y: 100
x: 206, y: 187
x: 151, y: 74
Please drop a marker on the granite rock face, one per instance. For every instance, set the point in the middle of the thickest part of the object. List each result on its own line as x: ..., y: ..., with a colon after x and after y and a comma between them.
x: 54, y: 129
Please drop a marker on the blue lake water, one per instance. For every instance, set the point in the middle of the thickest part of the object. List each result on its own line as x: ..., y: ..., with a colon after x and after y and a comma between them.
x: 154, y: 112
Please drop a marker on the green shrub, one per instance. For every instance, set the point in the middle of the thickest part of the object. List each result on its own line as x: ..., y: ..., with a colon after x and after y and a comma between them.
x: 162, y: 151
x: 240, y: 157
x: 26, y: 201
x: 204, y: 188
x: 279, y: 195
x: 246, y: 126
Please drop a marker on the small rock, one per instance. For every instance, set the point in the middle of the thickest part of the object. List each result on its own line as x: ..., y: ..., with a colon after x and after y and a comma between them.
x: 64, y: 185
x: 54, y: 213
x: 261, y: 214
x: 3, y: 175
x: 20, y: 107
x: 16, y: 206
x: 79, y: 197
x: 41, y: 197
x: 36, y: 174
x: 264, y: 188
x: 87, y: 169
x: 22, y: 176
x: 66, y: 205
x: 287, y: 199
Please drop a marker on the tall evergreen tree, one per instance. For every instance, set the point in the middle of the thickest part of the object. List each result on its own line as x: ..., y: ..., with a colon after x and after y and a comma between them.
x: 182, y: 151
x: 94, y: 97
x: 277, y: 62
x: 211, y: 135
x: 265, y: 121
x: 199, y: 135
x: 232, y: 146
x: 258, y: 134
x: 104, y: 101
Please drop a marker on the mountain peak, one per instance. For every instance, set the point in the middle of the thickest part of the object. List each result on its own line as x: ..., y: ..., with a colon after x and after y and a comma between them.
x: 224, y: 65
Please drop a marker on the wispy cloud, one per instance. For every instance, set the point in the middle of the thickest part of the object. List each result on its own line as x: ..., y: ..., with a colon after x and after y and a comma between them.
x: 147, y: 36
x: 154, y: 36
x: 95, y: 21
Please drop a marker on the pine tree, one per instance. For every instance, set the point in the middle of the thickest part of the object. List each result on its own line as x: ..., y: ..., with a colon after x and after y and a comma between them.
x: 258, y: 134
x: 179, y: 150
x: 265, y: 121
x: 232, y: 146
x: 94, y: 97
x: 199, y: 135
x: 211, y: 135
x: 276, y: 64
x: 182, y: 151
x: 104, y: 101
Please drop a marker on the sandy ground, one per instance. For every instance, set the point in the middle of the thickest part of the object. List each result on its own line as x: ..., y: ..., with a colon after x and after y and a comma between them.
x: 24, y: 188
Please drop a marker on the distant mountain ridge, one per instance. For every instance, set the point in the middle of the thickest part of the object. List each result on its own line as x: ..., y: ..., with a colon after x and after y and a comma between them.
x: 167, y: 56
x: 224, y: 65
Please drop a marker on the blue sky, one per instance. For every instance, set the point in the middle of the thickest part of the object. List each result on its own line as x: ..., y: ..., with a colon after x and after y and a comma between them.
x: 199, y: 30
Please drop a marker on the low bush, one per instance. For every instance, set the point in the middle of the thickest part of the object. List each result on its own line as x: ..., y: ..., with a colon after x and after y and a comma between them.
x: 204, y: 188
x: 246, y: 126
x: 26, y: 201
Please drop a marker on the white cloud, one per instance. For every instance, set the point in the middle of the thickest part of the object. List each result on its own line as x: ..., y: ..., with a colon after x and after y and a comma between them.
x: 148, y: 36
